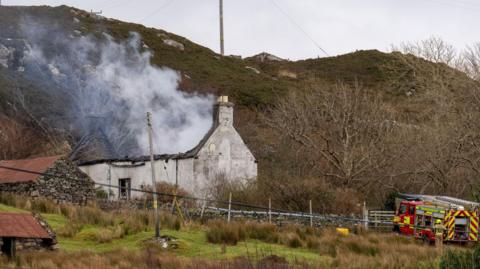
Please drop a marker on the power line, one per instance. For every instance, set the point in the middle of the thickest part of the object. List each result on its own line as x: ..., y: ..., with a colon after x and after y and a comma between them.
x: 240, y: 204
x: 298, y: 26
x: 145, y: 191
x: 157, y: 10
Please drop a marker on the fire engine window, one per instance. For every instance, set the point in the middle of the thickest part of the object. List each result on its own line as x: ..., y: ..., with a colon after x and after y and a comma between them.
x: 403, y: 209
x: 428, y: 221
x: 412, y: 210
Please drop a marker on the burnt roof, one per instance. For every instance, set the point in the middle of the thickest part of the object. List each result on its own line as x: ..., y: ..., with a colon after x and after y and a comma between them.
x: 39, y: 165
x: 21, y: 225
x: 186, y: 155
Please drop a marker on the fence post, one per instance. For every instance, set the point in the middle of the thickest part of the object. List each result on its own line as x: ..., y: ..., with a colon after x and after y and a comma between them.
x: 229, y: 206
x: 269, y: 210
x: 203, y: 206
x: 365, y: 215
x: 311, y: 214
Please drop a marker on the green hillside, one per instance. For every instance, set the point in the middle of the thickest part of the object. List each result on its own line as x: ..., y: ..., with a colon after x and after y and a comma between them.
x: 414, y: 93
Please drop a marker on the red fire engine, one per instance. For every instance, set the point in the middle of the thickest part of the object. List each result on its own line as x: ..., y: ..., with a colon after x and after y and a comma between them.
x: 416, y: 215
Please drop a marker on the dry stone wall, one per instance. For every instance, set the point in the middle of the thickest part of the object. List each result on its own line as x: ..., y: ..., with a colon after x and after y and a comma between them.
x: 67, y: 184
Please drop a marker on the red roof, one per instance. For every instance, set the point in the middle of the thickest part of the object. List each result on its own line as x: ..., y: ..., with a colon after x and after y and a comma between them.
x: 21, y: 225
x: 39, y: 165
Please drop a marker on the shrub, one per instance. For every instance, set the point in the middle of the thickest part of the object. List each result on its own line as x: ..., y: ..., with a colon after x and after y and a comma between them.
x: 100, y: 193
x: 220, y: 232
x: 262, y: 231
x: 69, y: 230
x: 294, y: 241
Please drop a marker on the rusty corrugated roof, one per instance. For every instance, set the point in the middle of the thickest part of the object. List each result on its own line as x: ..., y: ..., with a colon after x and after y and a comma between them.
x: 21, y: 225
x: 39, y: 165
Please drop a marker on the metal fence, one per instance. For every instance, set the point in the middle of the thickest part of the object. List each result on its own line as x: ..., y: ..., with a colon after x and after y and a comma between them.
x: 380, y: 220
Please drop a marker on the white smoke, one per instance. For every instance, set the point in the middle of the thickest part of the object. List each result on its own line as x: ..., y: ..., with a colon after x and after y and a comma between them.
x: 115, y: 83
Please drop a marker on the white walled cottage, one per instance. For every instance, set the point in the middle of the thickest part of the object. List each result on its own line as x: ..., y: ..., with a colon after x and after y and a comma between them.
x: 221, y: 153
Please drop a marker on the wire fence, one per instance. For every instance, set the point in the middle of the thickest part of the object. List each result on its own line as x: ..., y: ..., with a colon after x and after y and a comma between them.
x: 203, y: 207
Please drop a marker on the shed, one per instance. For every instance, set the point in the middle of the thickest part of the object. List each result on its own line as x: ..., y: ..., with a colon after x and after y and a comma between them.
x: 24, y: 228
x: 54, y: 177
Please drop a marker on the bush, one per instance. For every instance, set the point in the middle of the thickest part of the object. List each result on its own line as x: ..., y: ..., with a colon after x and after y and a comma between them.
x: 220, y: 232
x: 294, y: 241
x: 262, y: 231
x: 100, y: 193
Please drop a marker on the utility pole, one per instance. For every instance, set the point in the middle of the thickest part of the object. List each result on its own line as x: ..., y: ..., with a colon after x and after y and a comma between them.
x: 222, y: 48
x: 154, y: 182
x: 109, y: 178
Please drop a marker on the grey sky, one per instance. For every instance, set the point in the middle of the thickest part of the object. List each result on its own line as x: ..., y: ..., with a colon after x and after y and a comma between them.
x: 338, y: 26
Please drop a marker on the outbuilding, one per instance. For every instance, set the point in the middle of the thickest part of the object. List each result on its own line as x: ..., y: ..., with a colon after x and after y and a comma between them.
x: 53, y: 177
x: 24, y: 231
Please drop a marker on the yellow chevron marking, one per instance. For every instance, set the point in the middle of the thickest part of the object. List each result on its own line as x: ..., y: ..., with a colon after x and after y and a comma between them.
x: 474, y: 221
x: 450, y: 235
x: 473, y: 237
x: 450, y: 224
x: 449, y: 214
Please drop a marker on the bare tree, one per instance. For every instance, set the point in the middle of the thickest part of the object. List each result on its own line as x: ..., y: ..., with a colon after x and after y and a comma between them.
x: 347, y: 130
x: 433, y: 49
x: 471, y: 58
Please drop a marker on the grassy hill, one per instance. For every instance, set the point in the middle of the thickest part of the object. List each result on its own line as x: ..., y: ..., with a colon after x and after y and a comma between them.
x: 33, y: 105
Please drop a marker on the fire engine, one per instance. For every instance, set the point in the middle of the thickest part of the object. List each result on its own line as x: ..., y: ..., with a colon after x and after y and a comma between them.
x: 416, y: 216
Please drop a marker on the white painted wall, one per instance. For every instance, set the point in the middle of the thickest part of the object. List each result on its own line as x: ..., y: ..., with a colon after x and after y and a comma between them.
x: 140, y: 176
x: 224, y: 153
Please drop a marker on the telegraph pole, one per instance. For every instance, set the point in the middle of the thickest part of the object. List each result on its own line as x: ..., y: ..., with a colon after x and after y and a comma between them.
x: 154, y: 182
x: 222, y: 48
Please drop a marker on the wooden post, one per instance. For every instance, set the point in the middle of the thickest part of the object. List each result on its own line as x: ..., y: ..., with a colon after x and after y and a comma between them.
x: 365, y: 215
x: 203, y: 206
x: 154, y: 182
x: 311, y: 214
x: 269, y: 210
x: 229, y: 206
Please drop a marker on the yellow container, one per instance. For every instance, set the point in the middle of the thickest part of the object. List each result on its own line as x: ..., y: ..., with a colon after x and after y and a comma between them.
x: 343, y: 231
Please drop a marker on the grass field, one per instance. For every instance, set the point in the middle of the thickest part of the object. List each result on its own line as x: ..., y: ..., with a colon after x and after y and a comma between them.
x: 317, y: 249
x: 191, y: 242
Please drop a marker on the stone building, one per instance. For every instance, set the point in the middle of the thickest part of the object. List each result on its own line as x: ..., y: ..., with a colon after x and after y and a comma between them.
x: 24, y: 231
x: 55, y: 178
x: 220, y: 154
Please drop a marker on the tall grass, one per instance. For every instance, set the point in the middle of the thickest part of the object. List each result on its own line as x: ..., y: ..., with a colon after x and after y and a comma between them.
x: 455, y: 259
x: 111, y: 225
x: 358, y: 250
x: 147, y: 259
x: 220, y: 232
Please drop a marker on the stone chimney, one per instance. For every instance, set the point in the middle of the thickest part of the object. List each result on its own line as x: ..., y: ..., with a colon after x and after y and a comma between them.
x: 224, y: 112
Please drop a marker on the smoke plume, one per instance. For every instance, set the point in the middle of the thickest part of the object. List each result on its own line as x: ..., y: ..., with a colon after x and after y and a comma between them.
x: 111, y: 84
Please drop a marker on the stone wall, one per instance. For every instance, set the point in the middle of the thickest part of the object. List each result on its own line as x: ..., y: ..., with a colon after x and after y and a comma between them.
x: 68, y: 184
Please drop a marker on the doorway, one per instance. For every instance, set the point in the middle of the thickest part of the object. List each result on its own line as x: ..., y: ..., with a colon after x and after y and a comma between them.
x: 8, y: 247
x: 125, y: 187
